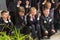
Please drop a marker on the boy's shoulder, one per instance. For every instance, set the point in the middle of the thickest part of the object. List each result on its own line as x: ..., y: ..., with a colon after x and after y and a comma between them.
x: 42, y: 17
x: 1, y: 20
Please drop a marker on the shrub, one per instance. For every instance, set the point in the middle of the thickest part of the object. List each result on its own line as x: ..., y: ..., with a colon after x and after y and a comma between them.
x: 16, y: 36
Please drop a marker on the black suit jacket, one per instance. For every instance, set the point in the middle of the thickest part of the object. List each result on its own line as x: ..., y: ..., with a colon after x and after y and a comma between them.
x: 34, y: 22
x: 47, y: 23
x: 2, y: 22
x: 5, y: 25
x: 20, y: 22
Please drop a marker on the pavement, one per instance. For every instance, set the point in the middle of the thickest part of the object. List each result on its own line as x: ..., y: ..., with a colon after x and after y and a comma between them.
x: 56, y: 36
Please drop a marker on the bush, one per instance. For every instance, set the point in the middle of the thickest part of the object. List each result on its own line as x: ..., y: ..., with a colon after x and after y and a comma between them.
x: 16, y: 36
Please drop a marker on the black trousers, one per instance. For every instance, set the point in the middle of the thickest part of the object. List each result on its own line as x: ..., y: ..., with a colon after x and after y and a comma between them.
x: 50, y: 33
x: 36, y: 31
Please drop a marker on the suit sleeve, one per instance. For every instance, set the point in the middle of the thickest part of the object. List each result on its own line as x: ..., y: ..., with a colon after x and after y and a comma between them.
x: 42, y: 25
x: 29, y: 22
x: 52, y: 24
x: 10, y: 22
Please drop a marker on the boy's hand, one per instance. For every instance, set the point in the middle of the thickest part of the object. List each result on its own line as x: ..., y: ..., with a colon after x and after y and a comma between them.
x: 46, y: 32
x: 52, y: 1
x: 9, y: 17
x: 30, y: 16
x: 19, y: 2
x: 27, y: 2
x: 44, y: 2
x: 53, y: 30
x: 39, y: 15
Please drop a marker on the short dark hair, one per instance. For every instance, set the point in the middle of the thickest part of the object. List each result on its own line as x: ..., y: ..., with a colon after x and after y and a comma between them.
x: 4, y: 11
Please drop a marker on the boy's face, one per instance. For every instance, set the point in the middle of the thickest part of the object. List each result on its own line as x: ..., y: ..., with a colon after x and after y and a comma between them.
x: 27, y: 2
x: 48, y: 5
x: 5, y: 15
x: 46, y: 12
x: 33, y: 12
x: 21, y: 14
x: 19, y: 2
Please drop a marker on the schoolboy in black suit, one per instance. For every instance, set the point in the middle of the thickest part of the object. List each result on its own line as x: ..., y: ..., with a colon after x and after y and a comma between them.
x: 47, y: 23
x: 33, y: 23
x: 5, y: 19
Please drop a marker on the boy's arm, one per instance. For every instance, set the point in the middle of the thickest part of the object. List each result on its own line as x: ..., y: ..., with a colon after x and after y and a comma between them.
x: 44, y: 2
x: 53, y: 29
x: 52, y: 24
x: 29, y: 21
x: 42, y: 25
x: 52, y: 1
x: 10, y: 22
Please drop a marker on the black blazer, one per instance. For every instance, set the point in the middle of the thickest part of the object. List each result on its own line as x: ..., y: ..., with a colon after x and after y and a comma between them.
x: 47, y: 23
x: 20, y: 21
x: 2, y: 22
x: 34, y: 22
x: 5, y: 26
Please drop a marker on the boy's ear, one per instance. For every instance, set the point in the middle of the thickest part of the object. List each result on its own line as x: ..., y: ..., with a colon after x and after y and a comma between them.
x: 0, y: 14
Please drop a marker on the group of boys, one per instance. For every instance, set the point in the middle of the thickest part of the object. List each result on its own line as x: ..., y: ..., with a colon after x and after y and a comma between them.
x: 40, y: 24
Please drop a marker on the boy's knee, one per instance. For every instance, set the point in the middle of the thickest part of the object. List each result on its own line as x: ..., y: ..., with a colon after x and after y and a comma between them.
x: 46, y: 33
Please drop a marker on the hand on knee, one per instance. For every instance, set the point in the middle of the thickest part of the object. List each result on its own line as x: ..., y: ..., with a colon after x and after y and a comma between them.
x: 53, y: 30
x: 46, y: 32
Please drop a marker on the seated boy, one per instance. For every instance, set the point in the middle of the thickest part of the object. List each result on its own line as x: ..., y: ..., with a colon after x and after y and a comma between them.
x: 5, y: 19
x: 20, y: 20
x: 47, y: 23
x: 33, y: 23
x: 19, y: 3
x: 27, y: 6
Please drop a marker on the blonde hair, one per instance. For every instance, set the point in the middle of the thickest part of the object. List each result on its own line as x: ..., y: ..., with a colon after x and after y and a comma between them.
x: 33, y: 9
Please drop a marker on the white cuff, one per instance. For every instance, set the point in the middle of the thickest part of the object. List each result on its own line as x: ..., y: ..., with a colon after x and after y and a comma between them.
x: 31, y: 19
x: 18, y: 5
x: 53, y: 2
x: 9, y: 20
x: 43, y: 3
x: 38, y: 18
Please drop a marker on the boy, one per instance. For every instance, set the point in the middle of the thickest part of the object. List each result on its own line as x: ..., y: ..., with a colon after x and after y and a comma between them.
x: 47, y: 24
x: 5, y: 19
x: 20, y: 20
x: 27, y: 6
x: 50, y: 9
x: 19, y: 3
x: 33, y: 23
